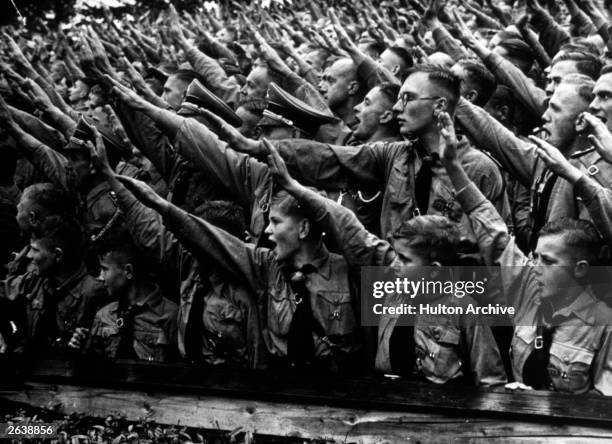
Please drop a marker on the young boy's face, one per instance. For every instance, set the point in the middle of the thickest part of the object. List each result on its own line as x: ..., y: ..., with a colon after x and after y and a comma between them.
x: 408, y: 256
x: 43, y: 255
x: 114, y: 275
x: 555, y: 266
x: 284, y: 231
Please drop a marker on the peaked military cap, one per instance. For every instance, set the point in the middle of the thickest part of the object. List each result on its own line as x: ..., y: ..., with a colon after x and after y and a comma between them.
x: 157, y: 73
x: 198, y: 96
x: 286, y: 110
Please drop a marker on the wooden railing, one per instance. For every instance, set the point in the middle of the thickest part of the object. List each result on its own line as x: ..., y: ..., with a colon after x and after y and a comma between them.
x: 309, y: 404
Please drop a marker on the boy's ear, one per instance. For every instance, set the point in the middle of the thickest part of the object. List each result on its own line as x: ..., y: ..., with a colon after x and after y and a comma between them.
x: 581, y: 269
x: 304, y: 228
x: 471, y: 96
x: 435, y: 271
x: 353, y: 87
x: 129, y: 271
x: 385, y: 117
x: 59, y: 254
x: 440, y: 105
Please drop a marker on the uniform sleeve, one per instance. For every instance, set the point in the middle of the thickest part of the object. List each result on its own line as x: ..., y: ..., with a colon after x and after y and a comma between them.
x: 334, y: 166
x: 359, y: 246
x: 498, y: 247
x: 237, y: 173
x: 37, y: 128
x: 446, y: 43
x: 517, y: 157
x: 598, y: 201
x: 532, y: 97
x: 148, y: 138
x: 158, y: 245
x: 230, y: 254
x: 552, y: 35
x: 217, y: 80
x: 46, y: 160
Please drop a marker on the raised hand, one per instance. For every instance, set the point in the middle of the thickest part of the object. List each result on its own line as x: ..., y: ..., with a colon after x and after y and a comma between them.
x: 464, y: 34
x: 533, y: 6
x: 175, y: 28
x: 448, y: 141
x: 11, y: 75
x: 601, y: 137
x: 145, y: 194
x: 99, y: 157
x: 230, y: 134
x: 37, y: 95
x: 6, y: 117
x: 17, y: 55
x: 555, y: 160
x: 278, y: 167
x: 116, y: 126
x: 78, y: 338
x: 344, y: 40
x: 135, y: 77
x: 433, y: 10
x: 128, y: 96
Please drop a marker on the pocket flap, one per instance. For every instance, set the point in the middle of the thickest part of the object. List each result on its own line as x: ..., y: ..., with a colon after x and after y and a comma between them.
x: 570, y: 354
x: 335, y: 297
x: 527, y: 333
x: 449, y: 335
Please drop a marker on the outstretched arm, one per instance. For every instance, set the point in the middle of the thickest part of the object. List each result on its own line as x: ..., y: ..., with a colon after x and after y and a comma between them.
x: 597, y: 198
x: 206, y: 241
x: 359, y: 246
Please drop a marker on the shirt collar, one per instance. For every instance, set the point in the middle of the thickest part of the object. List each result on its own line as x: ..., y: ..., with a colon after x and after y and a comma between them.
x: 320, y: 261
x: 580, y: 308
x: 153, y: 300
x: 462, y: 144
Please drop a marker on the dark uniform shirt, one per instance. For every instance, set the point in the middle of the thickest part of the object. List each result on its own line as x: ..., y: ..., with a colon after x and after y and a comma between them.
x: 328, y: 286
x: 440, y: 340
x: 391, y: 168
x: 581, y: 344
x: 51, y: 312
x: 152, y: 335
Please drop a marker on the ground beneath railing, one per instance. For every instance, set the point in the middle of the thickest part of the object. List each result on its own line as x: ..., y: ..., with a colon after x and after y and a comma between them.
x: 80, y: 428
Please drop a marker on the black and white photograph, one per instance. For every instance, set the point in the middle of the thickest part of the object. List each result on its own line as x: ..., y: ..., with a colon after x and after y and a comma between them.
x: 305, y: 221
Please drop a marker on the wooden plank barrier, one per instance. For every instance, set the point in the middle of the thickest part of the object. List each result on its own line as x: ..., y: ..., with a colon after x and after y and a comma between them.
x: 335, y: 408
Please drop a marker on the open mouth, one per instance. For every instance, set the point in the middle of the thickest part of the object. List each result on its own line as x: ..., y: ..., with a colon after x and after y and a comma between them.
x: 604, y: 119
x: 541, y: 132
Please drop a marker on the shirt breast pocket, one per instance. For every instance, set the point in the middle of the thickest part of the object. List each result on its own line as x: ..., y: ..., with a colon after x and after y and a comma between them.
x: 334, y: 312
x: 570, y: 368
x: 151, y: 344
x: 438, y: 353
x: 109, y: 331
